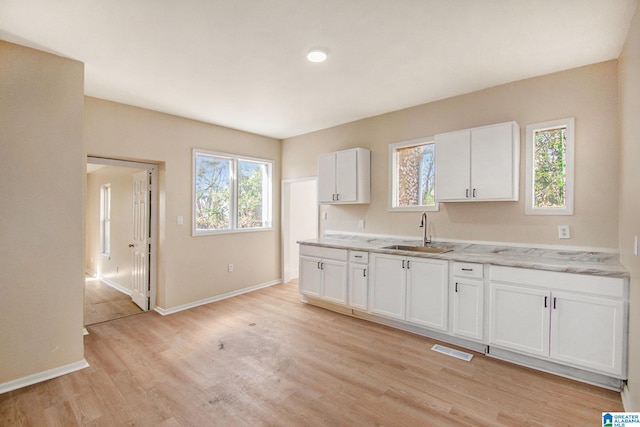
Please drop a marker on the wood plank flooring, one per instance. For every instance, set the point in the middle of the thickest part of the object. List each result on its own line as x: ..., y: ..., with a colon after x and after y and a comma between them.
x: 265, y: 358
x: 103, y: 303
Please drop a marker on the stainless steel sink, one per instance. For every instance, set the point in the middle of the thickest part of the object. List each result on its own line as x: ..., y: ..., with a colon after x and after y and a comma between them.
x: 426, y: 249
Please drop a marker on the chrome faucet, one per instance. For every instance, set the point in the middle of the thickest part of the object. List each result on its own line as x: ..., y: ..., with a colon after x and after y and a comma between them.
x: 423, y: 223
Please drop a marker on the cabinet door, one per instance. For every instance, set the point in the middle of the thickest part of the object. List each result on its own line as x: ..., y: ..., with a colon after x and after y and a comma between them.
x: 358, y: 285
x: 453, y: 154
x: 468, y: 308
x: 492, y: 162
x: 326, y: 177
x: 427, y: 298
x: 346, y: 176
x: 520, y: 318
x: 588, y: 331
x: 310, y: 276
x: 334, y: 281
x: 387, y: 286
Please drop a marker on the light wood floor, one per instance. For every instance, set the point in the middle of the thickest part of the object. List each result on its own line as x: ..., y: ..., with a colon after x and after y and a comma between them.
x: 264, y: 358
x: 103, y: 303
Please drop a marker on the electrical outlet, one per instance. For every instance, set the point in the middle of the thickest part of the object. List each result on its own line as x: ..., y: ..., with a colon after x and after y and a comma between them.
x: 564, y: 232
x: 361, y: 224
x: 230, y: 268
x: 180, y: 220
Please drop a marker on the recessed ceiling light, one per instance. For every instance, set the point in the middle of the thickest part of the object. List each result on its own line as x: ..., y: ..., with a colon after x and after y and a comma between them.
x: 317, y: 55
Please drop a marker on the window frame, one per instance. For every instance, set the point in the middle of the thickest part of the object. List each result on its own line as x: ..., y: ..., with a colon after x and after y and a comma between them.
x: 105, y: 219
x: 530, y: 208
x: 233, y: 193
x: 393, y: 169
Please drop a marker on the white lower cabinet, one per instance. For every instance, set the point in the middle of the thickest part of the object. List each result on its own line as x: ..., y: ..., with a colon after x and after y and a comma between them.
x: 427, y: 299
x: 358, y: 279
x: 410, y: 289
x: 576, y: 320
x: 467, y: 301
x: 323, y: 273
x: 387, y: 286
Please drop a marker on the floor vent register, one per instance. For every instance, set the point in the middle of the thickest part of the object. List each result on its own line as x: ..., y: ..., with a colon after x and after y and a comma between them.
x: 453, y: 353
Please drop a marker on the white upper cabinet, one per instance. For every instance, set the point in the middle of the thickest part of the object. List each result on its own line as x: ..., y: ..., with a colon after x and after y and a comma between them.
x: 479, y: 164
x: 344, y: 176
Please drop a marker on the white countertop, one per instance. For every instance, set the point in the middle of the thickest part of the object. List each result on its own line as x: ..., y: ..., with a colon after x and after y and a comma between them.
x: 567, y: 261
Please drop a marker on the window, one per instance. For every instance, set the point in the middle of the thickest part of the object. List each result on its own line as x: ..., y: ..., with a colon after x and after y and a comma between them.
x: 105, y: 219
x: 412, y: 175
x: 230, y: 193
x: 550, y: 151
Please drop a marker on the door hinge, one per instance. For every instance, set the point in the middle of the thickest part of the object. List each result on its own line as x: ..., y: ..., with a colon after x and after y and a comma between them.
x: 148, y: 294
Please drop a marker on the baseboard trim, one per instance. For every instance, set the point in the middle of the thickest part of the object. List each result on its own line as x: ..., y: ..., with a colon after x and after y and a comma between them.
x: 167, y: 311
x: 627, y: 401
x: 43, y: 376
x: 115, y: 285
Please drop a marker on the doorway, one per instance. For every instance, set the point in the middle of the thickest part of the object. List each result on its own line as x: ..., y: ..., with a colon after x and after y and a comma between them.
x: 120, y: 221
x: 299, y: 220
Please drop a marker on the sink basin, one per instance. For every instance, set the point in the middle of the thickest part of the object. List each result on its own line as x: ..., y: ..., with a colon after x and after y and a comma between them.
x: 426, y: 249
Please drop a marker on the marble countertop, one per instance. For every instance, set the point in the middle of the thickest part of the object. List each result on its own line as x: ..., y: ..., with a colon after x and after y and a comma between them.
x: 567, y: 261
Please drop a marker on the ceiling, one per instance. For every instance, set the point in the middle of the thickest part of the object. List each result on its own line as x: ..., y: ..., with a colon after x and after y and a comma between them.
x: 241, y: 63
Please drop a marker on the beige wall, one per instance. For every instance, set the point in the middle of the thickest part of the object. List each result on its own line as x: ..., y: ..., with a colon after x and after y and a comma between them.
x: 629, y: 206
x: 589, y: 94
x: 41, y: 211
x: 189, y: 268
x: 118, y: 266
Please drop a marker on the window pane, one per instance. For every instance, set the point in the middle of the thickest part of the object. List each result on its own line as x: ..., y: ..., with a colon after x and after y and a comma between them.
x: 212, y: 193
x: 254, y: 190
x: 415, y: 175
x: 550, y: 167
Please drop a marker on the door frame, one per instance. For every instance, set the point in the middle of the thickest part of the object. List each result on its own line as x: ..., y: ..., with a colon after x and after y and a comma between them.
x: 285, y: 217
x: 153, y: 218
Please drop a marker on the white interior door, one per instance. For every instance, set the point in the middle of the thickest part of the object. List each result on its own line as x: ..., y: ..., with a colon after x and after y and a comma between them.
x: 140, y: 242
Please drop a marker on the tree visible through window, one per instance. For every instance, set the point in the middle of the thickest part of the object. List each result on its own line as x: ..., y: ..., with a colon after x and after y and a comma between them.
x: 231, y: 193
x: 412, y: 168
x: 550, y: 168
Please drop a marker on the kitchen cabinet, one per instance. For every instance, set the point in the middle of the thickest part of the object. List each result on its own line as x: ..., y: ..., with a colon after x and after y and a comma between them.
x: 577, y: 320
x: 427, y: 299
x: 467, y: 300
x: 479, y: 164
x: 323, y: 273
x: 410, y: 289
x: 387, y: 285
x: 344, y: 176
x: 358, y: 279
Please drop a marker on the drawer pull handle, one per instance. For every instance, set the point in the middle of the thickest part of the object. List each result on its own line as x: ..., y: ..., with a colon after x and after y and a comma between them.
x: 364, y: 272
x: 408, y: 264
x: 545, y: 302
x: 358, y: 256
x: 456, y: 286
x: 554, y: 303
x: 467, y: 269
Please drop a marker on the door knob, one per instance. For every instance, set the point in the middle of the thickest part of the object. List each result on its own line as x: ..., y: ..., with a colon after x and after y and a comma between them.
x: 131, y: 245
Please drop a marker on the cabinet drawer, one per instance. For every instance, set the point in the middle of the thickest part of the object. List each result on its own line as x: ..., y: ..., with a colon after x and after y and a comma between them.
x: 466, y: 269
x: 359, y: 256
x: 322, y: 252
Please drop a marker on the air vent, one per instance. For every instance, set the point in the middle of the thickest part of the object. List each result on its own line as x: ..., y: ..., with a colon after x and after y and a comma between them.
x: 453, y: 353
